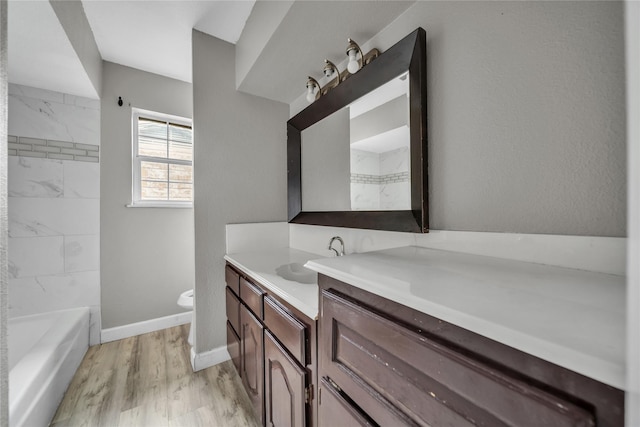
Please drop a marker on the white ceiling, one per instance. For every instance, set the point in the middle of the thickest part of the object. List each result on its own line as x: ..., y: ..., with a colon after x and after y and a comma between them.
x: 155, y: 36
x: 39, y: 52
x: 380, y: 95
x: 385, y: 141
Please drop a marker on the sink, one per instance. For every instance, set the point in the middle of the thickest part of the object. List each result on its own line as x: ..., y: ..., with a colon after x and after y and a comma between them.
x: 298, y: 273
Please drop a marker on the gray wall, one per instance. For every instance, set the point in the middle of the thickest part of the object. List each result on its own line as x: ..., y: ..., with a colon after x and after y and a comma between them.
x: 147, y: 254
x: 632, y: 33
x: 388, y: 116
x: 526, y: 114
x: 240, y: 172
x: 4, y: 297
x: 262, y: 23
x: 74, y: 21
x: 325, y: 163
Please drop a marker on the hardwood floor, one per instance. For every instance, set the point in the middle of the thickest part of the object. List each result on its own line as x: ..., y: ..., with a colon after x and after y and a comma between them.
x: 147, y: 381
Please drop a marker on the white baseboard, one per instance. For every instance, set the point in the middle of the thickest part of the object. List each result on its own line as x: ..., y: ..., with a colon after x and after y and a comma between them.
x: 133, y: 329
x: 200, y: 361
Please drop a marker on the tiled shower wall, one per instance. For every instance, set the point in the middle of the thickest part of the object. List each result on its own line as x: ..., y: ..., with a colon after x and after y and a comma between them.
x: 54, y: 203
x: 380, y: 180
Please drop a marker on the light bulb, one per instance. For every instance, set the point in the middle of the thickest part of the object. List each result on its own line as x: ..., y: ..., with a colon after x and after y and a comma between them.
x: 310, y: 95
x: 353, y: 65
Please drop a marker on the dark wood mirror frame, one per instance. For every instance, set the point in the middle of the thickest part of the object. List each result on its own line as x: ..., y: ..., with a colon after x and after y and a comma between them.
x: 408, y: 54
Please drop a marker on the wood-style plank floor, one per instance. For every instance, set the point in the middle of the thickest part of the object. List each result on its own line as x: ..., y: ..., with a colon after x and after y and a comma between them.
x: 147, y: 381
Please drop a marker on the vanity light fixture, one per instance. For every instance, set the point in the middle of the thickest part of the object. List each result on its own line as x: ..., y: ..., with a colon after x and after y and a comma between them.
x: 315, y: 91
x: 330, y: 70
x: 352, y: 52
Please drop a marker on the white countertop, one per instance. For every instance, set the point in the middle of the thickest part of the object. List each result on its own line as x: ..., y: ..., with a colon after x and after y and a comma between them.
x: 573, y: 318
x: 262, y: 265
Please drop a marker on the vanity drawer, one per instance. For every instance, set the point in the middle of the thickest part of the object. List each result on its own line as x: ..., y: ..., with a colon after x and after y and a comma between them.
x: 233, y: 309
x: 336, y: 411
x: 291, y: 332
x: 395, y: 372
x: 233, y: 347
x: 252, y: 296
x: 233, y: 279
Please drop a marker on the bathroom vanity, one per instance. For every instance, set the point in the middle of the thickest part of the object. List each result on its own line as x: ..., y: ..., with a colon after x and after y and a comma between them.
x: 416, y: 336
x: 271, y: 334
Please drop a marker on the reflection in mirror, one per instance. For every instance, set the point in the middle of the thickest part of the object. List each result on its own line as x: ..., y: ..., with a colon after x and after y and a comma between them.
x: 358, y: 157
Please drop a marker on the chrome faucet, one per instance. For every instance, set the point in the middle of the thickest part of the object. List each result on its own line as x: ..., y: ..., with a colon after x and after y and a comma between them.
x: 339, y: 239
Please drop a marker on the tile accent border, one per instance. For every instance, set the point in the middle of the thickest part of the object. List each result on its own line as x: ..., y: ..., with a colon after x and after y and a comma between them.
x: 359, y: 178
x: 51, y: 149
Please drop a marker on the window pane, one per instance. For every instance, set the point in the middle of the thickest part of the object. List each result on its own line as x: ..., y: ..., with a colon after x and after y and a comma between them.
x: 180, y: 133
x: 152, y: 128
x: 152, y: 147
x: 178, y: 150
x: 154, y: 190
x: 151, y: 171
x: 180, y: 146
x: 152, y: 138
x: 180, y: 173
x: 179, y: 191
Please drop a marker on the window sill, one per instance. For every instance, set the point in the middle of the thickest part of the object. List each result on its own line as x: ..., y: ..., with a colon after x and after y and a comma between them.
x: 171, y: 205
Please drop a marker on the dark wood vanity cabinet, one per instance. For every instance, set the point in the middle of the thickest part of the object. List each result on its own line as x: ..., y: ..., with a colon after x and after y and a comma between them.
x: 285, y: 384
x: 252, y: 359
x: 381, y: 363
x: 233, y: 327
x: 273, y: 348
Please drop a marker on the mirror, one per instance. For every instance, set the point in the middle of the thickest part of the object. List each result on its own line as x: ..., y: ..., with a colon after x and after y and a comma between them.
x: 357, y: 155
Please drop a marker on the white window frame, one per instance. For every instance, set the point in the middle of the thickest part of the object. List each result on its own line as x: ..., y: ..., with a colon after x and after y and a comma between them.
x: 136, y: 160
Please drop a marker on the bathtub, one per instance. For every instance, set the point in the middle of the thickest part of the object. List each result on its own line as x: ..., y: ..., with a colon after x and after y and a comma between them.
x: 45, y: 351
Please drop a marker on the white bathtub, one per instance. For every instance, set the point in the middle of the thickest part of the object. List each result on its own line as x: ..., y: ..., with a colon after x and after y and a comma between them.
x: 45, y: 351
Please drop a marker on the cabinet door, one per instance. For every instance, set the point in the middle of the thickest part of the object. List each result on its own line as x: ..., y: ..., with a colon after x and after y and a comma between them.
x: 251, y: 341
x: 233, y: 309
x: 233, y: 347
x: 285, y: 386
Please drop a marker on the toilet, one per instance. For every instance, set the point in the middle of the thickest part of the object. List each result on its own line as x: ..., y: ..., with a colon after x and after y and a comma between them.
x: 185, y: 300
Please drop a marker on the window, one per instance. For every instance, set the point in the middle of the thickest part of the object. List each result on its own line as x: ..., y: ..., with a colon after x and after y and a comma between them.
x: 162, y: 160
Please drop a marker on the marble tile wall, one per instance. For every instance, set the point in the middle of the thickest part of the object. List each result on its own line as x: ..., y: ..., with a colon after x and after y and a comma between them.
x: 365, y: 196
x: 395, y: 186
x: 394, y: 161
x: 395, y: 196
x: 380, y: 180
x: 364, y: 162
x: 54, y: 205
x: 38, y: 113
